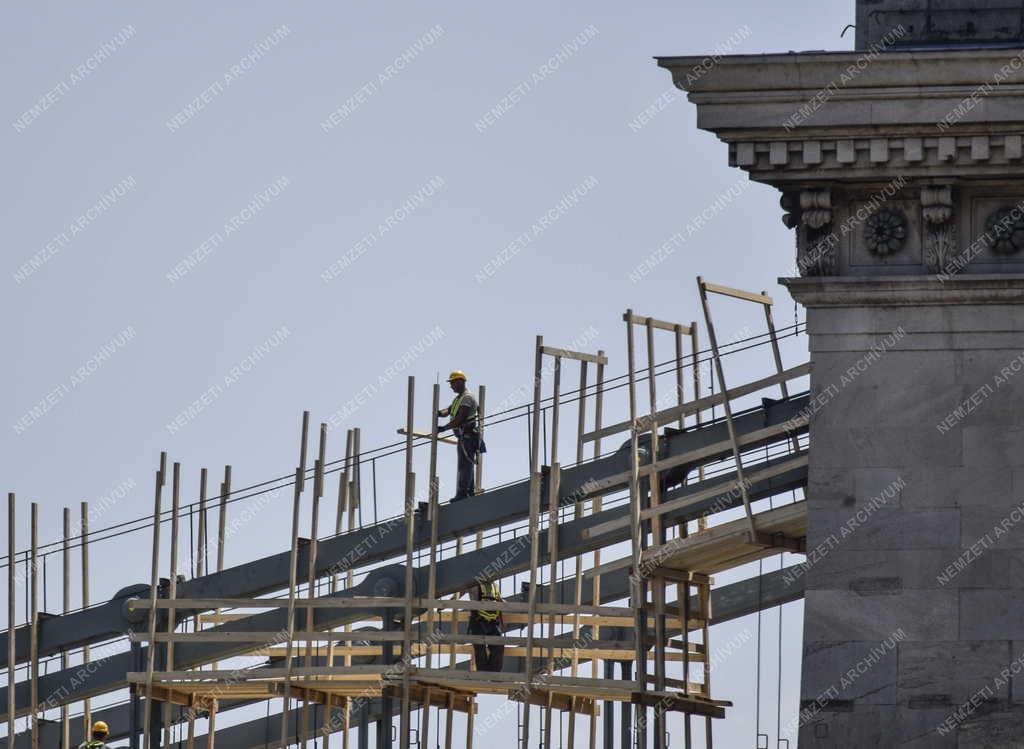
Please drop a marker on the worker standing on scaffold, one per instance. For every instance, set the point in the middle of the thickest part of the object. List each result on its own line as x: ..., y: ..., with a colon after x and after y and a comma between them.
x: 99, y: 732
x: 488, y: 623
x: 462, y: 415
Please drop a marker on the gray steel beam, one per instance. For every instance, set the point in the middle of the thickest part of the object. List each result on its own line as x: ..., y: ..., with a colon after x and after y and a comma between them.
x: 374, y: 543
x: 454, y: 574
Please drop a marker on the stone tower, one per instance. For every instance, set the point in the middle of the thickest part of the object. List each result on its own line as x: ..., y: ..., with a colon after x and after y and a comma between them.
x: 899, y: 166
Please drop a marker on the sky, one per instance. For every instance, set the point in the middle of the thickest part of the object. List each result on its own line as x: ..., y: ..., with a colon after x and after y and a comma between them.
x: 219, y: 216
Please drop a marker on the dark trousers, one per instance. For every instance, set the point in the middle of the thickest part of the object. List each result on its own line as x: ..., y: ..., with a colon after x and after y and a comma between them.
x: 487, y: 657
x: 465, y: 480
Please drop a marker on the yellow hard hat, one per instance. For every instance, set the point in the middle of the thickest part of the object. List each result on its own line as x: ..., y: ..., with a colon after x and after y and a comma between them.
x: 457, y: 374
x: 100, y: 727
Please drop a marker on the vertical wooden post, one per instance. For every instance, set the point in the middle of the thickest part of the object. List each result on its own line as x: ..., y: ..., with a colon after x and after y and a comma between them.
x: 222, y: 520
x: 318, y: 488
x: 777, y: 355
x: 554, y: 481
x: 480, y: 456
x: 636, y: 587
x: 410, y: 538
x: 469, y: 721
x: 424, y: 738
x: 683, y: 596
x: 581, y: 426
x: 11, y: 613
x: 293, y: 572
x: 34, y: 626
x: 449, y: 720
x: 211, y: 734
x: 172, y: 590
x: 154, y: 583
x: 595, y: 507
x: 702, y: 522
x: 705, y: 610
x: 534, y: 537
x: 302, y: 449
x: 658, y: 538
x: 344, y: 500
x: 727, y: 409
x: 202, y: 547
x: 222, y: 525
x: 433, y: 512
x: 65, y: 662
x: 86, y: 703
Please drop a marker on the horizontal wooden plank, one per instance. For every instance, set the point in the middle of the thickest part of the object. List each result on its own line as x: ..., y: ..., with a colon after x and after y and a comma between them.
x: 577, y: 355
x: 673, y: 413
x: 691, y: 499
x: 750, y: 296
x: 427, y: 435
x: 660, y: 324
x: 269, y: 638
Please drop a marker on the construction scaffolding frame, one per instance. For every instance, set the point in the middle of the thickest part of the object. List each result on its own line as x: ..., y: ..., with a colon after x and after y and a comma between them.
x: 431, y: 625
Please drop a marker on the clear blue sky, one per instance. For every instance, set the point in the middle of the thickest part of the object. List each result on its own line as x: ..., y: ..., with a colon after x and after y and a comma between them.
x: 264, y: 207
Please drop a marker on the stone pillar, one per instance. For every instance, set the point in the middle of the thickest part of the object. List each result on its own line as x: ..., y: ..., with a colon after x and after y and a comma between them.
x: 914, y: 616
x: 900, y: 171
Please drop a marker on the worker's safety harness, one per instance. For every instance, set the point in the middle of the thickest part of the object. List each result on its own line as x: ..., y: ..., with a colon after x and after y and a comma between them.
x: 489, y: 592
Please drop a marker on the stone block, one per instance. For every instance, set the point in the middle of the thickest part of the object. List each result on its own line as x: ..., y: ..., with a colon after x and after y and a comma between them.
x: 996, y: 447
x: 812, y: 152
x: 877, y: 727
x: 954, y: 670
x: 991, y: 614
x: 883, y: 447
x: 842, y: 568
x: 993, y: 726
x: 955, y: 486
x: 913, y: 615
x: 994, y: 527
x: 862, y: 671
x: 875, y: 526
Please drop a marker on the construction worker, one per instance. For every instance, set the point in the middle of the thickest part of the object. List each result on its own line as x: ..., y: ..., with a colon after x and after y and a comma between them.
x: 462, y: 414
x: 487, y: 657
x: 100, y: 731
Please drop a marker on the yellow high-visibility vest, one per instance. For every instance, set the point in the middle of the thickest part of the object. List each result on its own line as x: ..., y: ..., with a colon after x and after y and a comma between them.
x: 489, y: 592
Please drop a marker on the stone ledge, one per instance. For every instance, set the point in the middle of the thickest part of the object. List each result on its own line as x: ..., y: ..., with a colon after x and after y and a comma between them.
x: 906, y: 291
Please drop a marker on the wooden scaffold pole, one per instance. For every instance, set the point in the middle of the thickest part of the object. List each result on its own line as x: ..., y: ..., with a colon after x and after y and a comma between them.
x: 11, y: 613
x: 65, y: 662
x: 534, y: 535
x: 86, y: 650
x: 172, y: 589
x: 318, y: 481
x: 410, y: 546
x: 154, y: 583
x: 293, y: 572
x: 34, y: 626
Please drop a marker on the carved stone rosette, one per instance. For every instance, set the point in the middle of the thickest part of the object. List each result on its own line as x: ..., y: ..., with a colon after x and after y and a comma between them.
x: 939, y: 230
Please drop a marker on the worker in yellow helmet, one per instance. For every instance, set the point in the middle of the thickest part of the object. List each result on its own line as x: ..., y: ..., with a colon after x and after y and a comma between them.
x: 462, y: 415
x: 487, y: 657
x: 100, y: 731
